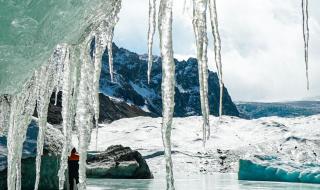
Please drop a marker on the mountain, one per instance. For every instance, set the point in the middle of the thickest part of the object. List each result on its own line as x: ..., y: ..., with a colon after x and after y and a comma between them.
x: 130, y: 85
x: 110, y: 109
x: 252, y: 110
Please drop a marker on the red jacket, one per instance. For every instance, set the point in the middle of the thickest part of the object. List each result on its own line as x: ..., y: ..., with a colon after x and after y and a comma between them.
x: 74, y: 157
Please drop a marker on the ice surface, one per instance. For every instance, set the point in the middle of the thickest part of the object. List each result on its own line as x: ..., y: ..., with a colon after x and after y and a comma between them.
x: 272, y: 168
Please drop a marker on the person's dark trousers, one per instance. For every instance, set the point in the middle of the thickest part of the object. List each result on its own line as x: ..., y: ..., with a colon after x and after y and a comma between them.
x: 73, y: 168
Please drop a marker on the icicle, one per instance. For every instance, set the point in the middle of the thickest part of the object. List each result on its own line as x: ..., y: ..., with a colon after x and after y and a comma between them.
x: 200, y: 28
x: 85, y: 111
x: 67, y: 114
x: 168, y: 83
x: 57, y: 57
x: 45, y: 87
x: 5, y: 104
x: 217, y: 48
x: 184, y: 6
x: 110, y: 56
x: 97, y: 70
x: 22, y: 108
x: 151, y: 31
x: 305, y: 25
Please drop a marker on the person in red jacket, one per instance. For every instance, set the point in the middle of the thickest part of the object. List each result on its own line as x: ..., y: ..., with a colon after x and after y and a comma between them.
x: 73, y: 168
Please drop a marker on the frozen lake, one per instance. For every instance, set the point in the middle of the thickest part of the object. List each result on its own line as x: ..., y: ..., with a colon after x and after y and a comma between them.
x: 202, y: 182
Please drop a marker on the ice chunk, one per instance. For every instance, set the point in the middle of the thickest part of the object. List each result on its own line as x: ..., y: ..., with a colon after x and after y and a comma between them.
x: 272, y: 168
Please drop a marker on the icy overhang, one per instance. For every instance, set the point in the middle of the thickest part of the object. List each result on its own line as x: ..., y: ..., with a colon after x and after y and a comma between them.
x: 30, y: 29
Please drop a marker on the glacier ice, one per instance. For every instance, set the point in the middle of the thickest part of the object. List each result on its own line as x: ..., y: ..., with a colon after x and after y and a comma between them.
x: 77, y: 77
x: 32, y: 30
x: 168, y: 83
x: 200, y: 30
x: 272, y: 168
x: 305, y: 27
x: 217, y: 48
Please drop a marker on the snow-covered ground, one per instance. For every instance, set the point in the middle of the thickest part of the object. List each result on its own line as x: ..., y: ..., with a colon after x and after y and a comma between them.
x: 294, y: 139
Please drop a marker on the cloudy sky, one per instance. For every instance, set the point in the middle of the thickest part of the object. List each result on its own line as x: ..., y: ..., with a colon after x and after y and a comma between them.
x: 262, y: 44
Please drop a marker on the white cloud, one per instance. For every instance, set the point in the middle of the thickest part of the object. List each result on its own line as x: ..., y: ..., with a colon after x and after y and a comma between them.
x: 261, y: 39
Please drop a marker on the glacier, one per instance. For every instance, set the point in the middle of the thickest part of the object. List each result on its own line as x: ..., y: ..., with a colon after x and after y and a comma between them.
x: 288, y: 139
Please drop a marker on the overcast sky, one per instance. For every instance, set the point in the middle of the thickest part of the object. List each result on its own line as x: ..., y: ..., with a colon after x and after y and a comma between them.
x: 262, y: 44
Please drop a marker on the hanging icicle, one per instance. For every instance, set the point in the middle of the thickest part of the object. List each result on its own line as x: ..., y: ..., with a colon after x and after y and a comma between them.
x: 97, y: 70
x: 85, y: 113
x: 110, y: 56
x: 168, y: 83
x: 22, y: 108
x: 217, y: 48
x: 151, y: 31
x: 200, y: 30
x: 45, y: 86
x: 67, y: 114
x: 305, y: 26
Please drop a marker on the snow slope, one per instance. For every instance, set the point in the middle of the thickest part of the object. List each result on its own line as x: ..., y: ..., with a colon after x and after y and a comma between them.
x: 294, y: 139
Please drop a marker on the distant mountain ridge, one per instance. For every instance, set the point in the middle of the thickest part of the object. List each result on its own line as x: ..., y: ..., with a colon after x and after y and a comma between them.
x: 130, y: 85
x: 253, y: 110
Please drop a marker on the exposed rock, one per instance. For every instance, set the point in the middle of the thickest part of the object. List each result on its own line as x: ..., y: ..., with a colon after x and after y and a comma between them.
x: 110, y: 110
x: 117, y: 162
x: 130, y: 72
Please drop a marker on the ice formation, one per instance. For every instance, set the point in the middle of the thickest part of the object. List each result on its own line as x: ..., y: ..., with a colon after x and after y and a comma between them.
x: 78, y: 78
x: 273, y: 168
x: 200, y: 30
x: 45, y: 86
x: 305, y: 19
x: 168, y: 83
x: 217, y: 48
x: 151, y: 31
x: 72, y: 69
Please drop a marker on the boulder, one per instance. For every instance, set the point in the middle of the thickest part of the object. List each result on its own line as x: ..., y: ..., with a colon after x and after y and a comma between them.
x: 117, y: 162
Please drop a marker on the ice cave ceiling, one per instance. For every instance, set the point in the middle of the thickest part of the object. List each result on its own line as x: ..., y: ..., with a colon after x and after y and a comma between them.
x: 29, y: 31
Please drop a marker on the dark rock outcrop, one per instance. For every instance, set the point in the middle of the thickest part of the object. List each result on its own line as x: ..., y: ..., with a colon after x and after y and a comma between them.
x: 117, y: 162
x: 110, y: 110
x: 130, y: 72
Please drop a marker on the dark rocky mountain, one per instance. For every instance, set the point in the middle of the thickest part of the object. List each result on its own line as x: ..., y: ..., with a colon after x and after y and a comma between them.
x: 253, y: 110
x: 130, y: 85
x: 110, y: 110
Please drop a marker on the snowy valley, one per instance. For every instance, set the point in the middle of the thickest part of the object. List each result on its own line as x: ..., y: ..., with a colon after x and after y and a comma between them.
x: 293, y: 140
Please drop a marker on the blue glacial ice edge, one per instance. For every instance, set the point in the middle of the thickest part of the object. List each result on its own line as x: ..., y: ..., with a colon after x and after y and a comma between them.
x: 272, y: 168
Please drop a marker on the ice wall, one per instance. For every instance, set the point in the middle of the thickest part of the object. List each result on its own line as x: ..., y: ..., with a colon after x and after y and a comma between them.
x: 32, y: 29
